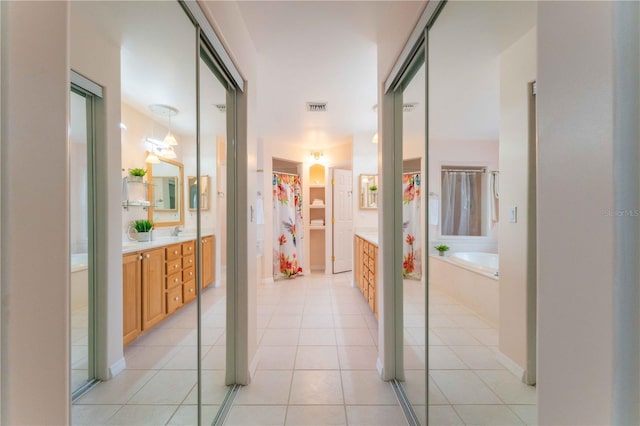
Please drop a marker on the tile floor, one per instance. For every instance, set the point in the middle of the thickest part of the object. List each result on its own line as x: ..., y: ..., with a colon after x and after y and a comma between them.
x: 467, y: 384
x: 158, y: 386
x: 317, y: 352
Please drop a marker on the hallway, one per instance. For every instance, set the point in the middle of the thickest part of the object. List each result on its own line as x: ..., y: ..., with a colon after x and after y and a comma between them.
x: 316, y: 358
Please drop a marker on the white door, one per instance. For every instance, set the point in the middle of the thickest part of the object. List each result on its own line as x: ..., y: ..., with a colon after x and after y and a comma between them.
x: 342, y: 221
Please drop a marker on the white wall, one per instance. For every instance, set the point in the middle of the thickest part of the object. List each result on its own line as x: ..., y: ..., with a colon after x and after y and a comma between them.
x: 576, y: 239
x: 365, y: 162
x: 517, y: 70
x: 226, y: 20
x: 98, y: 59
x: 35, y: 252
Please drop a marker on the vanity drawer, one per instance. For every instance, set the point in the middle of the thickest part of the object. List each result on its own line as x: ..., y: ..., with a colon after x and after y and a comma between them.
x: 189, y: 291
x: 372, y: 299
x: 173, y: 266
x: 173, y: 252
x: 188, y: 248
x: 188, y: 261
x: 174, y: 299
x: 174, y: 280
x: 188, y: 274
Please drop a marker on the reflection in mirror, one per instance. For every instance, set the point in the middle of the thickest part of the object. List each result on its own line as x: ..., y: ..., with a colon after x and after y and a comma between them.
x: 368, y: 191
x: 164, y: 193
x: 165, y: 179
x: 204, y: 192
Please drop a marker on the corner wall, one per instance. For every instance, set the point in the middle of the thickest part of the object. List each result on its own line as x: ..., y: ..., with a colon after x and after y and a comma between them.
x: 98, y: 59
x: 35, y: 254
x: 576, y: 239
x: 517, y: 70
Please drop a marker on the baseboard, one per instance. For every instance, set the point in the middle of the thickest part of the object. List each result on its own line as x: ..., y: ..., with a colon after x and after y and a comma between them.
x: 117, y: 368
x: 380, y: 368
x: 254, y: 366
x: 510, y: 365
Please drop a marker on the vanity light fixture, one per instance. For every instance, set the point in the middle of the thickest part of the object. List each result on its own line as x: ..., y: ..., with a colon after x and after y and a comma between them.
x: 152, y: 158
x: 316, y: 155
x: 170, y: 153
x: 166, y: 111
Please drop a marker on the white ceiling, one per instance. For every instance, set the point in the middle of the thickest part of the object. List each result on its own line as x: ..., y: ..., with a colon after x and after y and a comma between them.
x: 157, y: 52
x: 319, y: 51
x: 465, y: 45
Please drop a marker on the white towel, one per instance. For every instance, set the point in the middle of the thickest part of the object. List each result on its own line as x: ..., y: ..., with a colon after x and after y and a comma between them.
x: 259, y: 211
x: 317, y: 222
x: 433, y: 211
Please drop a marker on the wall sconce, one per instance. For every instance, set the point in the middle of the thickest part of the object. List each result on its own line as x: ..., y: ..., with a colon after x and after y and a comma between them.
x: 315, y: 155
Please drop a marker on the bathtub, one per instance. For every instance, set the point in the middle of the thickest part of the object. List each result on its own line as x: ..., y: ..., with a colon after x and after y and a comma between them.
x: 481, y: 262
x: 79, y: 281
x: 471, y: 279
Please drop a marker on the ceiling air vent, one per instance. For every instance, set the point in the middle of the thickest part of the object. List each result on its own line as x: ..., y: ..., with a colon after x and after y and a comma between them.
x: 409, y: 106
x: 317, y: 106
x: 221, y: 107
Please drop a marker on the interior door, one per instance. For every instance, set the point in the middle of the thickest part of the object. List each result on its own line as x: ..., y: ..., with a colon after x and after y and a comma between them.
x: 342, y: 185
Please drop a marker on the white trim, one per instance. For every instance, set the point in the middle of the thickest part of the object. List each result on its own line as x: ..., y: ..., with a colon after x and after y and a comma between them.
x: 218, y: 48
x: 510, y: 365
x: 86, y: 84
x: 117, y: 368
x: 380, y: 368
x: 412, y: 45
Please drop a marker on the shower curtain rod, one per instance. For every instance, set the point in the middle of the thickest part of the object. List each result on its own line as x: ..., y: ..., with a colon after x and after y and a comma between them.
x: 464, y: 170
x: 288, y: 174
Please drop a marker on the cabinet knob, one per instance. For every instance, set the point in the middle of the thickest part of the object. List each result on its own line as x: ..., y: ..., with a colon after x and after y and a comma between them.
x: 176, y: 299
x: 190, y: 273
x: 190, y: 290
x: 175, y: 280
x: 190, y: 260
x: 175, y: 266
x: 140, y: 257
x: 175, y: 252
x: 148, y: 256
x: 190, y: 248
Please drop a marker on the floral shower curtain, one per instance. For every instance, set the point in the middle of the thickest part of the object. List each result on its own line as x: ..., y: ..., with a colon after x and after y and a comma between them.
x: 411, y: 234
x: 287, y: 226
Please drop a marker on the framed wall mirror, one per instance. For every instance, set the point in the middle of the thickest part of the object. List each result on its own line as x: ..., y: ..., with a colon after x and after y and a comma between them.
x: 165, y: 193
x: 204, y: 192
x: 368, y: 192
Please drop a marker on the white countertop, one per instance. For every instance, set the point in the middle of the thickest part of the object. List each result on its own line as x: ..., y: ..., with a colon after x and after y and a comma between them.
x: 134, y: 246
x: 372, y: 237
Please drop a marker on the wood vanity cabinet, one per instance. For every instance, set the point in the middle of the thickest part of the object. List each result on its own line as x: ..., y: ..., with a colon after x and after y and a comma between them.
x: 131, y: 295
x: 158, y: 282
x: 366, y: 271
x: 153, y: 300
x: 208, y: 260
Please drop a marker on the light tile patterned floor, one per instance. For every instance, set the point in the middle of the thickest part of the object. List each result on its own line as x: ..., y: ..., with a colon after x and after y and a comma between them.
x: 317, y: 358
x: 158, y: 386
x: 316, y: 365
x: 467, y: 384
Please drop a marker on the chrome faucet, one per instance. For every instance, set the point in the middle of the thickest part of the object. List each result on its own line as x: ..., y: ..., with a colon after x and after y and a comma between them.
x: 177, y: 230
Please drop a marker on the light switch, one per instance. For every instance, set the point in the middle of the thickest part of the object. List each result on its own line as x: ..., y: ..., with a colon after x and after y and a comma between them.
x: 513, y: 214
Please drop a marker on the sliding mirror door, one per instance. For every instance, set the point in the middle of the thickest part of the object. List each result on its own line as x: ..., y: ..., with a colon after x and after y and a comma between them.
x: 208, y: 207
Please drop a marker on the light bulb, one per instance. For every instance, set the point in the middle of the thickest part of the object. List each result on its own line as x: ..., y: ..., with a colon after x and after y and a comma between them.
x: 169, y: 153
x: 170, y: 140
x: 152, y: 158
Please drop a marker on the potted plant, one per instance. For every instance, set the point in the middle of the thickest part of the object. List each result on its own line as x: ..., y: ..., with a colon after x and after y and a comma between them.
x: 143, y: 229
x: 373, y: 188
x: 137, y: 174
x: 441, y: 249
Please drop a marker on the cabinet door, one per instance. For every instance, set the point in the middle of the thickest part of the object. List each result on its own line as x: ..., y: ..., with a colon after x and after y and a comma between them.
x: 153, y: 294
x: 131, y: 304
x: 208, y: 261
